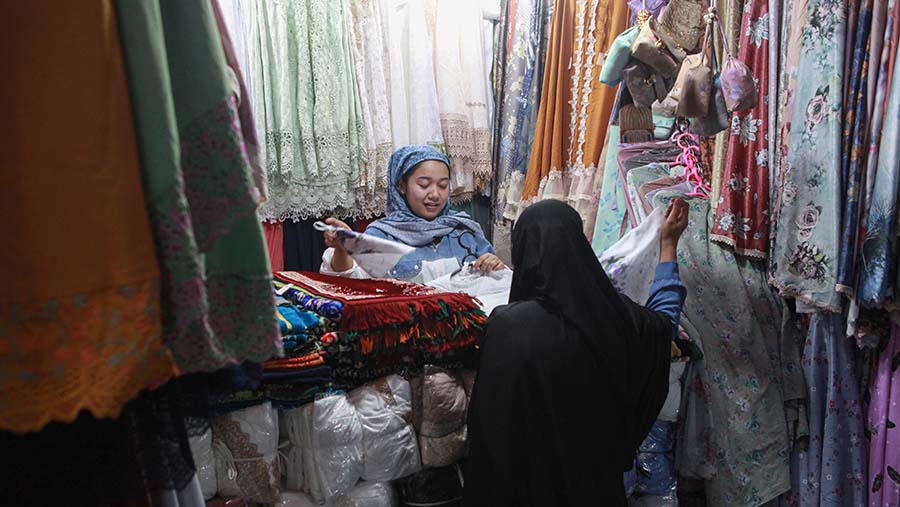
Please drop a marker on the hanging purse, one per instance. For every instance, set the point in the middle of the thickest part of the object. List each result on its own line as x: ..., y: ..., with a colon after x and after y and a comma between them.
x: 648, y: 48
x: 717, y: 118
x: 682, y: 21
x: 644, y: 86
x: 738, y: 85
x: 618, y: 56
x: 696, y: 80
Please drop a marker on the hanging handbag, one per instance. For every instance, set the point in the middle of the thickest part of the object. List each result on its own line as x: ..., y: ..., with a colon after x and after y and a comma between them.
x: 738, y: 85
x: 643, y: 85
x: 717, y: 118
x: 696, y: 79
x: 682, y: 21
x: 618, y: 56
x: 648, y: 48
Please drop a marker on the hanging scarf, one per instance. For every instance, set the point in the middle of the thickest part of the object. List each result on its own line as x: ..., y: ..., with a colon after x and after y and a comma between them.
x: 404, y: 225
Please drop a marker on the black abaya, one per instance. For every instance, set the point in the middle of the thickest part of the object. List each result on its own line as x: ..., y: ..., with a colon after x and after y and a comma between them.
x: 571, y: 376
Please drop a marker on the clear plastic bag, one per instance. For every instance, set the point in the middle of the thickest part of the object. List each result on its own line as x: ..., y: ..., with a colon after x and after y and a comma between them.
x: 656, y: 463
x: 336, y: 441
x: 245, y: 445
x: 389, y: 446
x: 440, y: 404
x: 205, y: 463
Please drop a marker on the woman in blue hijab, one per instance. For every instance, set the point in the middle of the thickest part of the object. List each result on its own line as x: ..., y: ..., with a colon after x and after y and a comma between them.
x: 419, y: 215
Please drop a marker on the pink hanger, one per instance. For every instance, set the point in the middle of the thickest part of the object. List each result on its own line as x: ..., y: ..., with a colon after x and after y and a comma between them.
x: 689, y: 160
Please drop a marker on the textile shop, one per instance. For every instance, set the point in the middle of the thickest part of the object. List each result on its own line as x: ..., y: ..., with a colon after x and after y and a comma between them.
x: 174, y: 331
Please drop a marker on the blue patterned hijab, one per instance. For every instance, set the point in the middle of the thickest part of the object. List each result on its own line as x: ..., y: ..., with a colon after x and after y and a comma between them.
x: 404, y: 225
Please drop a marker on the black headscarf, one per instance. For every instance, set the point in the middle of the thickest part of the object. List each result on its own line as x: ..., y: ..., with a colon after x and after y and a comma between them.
x: 555, y: 264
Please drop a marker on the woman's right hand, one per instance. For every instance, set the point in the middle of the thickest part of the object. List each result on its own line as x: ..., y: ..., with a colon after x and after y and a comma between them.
x: 341, y: 261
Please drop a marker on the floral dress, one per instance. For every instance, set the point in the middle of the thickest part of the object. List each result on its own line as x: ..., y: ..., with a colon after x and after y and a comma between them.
x: 807, y: 242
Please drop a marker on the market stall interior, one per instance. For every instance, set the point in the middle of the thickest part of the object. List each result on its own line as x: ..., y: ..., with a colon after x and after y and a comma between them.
x: 254, y: 246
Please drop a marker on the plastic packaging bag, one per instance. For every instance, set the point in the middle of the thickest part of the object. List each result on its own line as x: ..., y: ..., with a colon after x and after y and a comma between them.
x: 204, y: 461
x: 440, y: 404
x: 389, y: 447
x: 245, y: 444
x: 656, y: 463
x: 336, y: 442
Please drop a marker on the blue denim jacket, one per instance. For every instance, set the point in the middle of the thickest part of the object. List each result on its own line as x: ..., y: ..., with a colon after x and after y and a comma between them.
x: 461, y: 244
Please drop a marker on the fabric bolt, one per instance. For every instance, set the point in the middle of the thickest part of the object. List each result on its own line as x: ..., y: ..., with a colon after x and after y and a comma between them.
x: 218, y: 303
x: 565, y: 156
x: 370, y: 59
x: 308, y: 105
x: 275, y: 243
x: 462, y: 94
x: 853, y: 147
x: 742, y: 211
x: 879, y: 249
x: 526, y: 48
x: 832, y: 469
x: 523, y: 376
x: 86, y: 333
x: 734, y: 431
x: 883, y: 435
x: 807, y: 241
x: 415, y: 116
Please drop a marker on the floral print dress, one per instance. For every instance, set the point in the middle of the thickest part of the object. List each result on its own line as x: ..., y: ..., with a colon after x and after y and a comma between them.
x: 742, y: 214
x: 806, y: 246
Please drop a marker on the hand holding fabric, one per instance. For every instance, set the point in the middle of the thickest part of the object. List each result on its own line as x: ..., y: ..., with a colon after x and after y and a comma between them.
x: 675, y: 224
x: 341, y: 260
x: 488, y: 263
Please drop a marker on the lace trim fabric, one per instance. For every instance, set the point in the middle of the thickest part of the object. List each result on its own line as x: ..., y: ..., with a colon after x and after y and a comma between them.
x: 370, y: 62
x: 371, y: 194
x: 91, y: 351
x: 468, y: 146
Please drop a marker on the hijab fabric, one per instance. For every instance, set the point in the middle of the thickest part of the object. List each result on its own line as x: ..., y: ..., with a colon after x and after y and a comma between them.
x: 555, y: 265
x: 404, y: 225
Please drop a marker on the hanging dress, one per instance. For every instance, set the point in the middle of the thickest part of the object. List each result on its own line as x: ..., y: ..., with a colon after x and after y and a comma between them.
x: 415, y: 118
x: 807, y: 242
x: 521, y: 95
x: 307, y: 106
x: 742, y: 212
x: 80, y: 308
x: 217, y: 298
x: 370, y: 60
x: 884, y: 432
x: 462, y: 95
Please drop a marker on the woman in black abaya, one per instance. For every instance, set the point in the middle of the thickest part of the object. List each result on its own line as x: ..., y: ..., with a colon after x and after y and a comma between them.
x: 572, y: 375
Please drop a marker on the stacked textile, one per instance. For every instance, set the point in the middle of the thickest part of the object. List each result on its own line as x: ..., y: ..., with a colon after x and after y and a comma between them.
x: 384, y: 326
x: 245, y: 443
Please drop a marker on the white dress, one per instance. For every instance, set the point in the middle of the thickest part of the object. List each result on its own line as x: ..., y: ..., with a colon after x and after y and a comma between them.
x: 414, y: 104
x: 462, y: 91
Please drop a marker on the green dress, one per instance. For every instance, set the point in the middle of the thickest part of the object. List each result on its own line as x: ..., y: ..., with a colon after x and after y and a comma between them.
x: 217, y: 297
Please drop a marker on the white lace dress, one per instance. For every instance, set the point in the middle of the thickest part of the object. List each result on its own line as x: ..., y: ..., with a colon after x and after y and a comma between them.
x: 371, y: 62
x: 413, y: 94
x: 462, y: 91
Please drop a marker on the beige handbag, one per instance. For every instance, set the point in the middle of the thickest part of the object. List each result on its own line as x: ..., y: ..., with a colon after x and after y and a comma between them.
x: 682, y: 21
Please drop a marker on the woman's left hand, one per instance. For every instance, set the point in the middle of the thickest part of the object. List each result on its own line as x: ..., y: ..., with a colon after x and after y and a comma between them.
x: 488, y: 263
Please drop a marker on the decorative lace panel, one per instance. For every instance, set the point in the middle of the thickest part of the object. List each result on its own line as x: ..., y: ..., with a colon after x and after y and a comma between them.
x: 91, y: 351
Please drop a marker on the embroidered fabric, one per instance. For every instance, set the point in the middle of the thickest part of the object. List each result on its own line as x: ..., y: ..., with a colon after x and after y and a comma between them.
x: 314, y: 149
x: 462, y: 93
x: 369, y: 50
x: 107, y: 348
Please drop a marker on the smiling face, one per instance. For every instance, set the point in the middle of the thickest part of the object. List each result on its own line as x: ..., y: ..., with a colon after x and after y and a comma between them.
x: 426, y: 189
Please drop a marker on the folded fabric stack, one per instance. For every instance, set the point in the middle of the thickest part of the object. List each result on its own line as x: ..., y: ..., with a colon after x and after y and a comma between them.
x: 245, y: 445
x: 382, y: 326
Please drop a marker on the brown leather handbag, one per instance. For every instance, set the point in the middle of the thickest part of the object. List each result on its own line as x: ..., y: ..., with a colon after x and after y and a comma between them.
x: 650, y: 49
x: 682, y: 21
